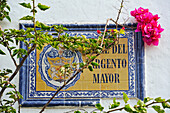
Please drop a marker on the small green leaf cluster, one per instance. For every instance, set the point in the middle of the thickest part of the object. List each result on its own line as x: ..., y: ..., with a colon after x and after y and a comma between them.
x: 7, y: 105
x: 4, y: 10
x: 14, y: 96
x: 99, y: 107
x: 115, y: 104
x: 7, y: 109
x: 4, y: 76
x: 32, y: 9
x: 140, y: 107
x: 11, y: 37
x: 77, y: 111
x: 165, y: 104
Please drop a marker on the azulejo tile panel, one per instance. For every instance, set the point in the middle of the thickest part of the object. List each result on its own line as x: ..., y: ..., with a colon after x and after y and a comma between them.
x: 117, y: 71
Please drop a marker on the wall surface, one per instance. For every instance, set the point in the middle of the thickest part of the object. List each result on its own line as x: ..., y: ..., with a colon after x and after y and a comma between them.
x: 157, y: 62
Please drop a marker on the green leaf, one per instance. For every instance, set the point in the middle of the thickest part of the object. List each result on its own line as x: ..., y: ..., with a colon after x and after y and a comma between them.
x: 77, y: 112
x: 7, y: 6
x: 11, y: 86
x: 56, y: 43
x: 159, y: 99
x: 158, y: 109
x: 9, y: 93
x: 9, y: 70
x: 65, y: 29
x: 125, y: 97
x: 12, y: 48
x: 15, y: 52
x: 93, y: 57
x: 43, y: 7
x: 81, y: 65
x: 26, y: 5
x: 140, y: 103
x: 129, y: 108
x: 114, y: 100
x: 12, y: 96
x: 9, y: 19
x: 147, y: 99
x: 94, y: 63
x: 90, y: 68
x: 45, y: 27
x: 20, y: 96
x: 168, y: 100
x: 2, y: 53
x: 165, y: 105
x: 99, y: 107
x: 115, y: 105
x: 27, y: 18
x: 55, y: 34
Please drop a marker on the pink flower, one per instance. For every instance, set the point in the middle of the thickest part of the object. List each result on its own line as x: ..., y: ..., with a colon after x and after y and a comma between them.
x: 123, y: 28
x: 160, y: 29
x: 148, y: 25
x: 147, y: 40
x: 155, y: 17
x: 155, y: 34
x: 155, y: 42
x: 142, y: 10
x: 154, y: 23
x: 144, y: 18
x: 98, y: 31
x: 148, y: 28
x: 139, y: 11
x: 139, y: 26
x: 134, y: 13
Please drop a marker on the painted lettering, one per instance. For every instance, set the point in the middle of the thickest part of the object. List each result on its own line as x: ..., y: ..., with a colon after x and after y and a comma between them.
x: 106, y: 78
x: 110, y: 63
x: 120, y: 49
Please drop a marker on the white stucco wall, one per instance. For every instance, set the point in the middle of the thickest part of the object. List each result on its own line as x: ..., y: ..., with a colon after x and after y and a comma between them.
x: 157, y: 61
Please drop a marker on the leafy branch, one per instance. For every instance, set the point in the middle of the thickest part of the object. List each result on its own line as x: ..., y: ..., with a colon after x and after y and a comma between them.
x: 140, y: 107
x: 4, y: 10
x: 90, y: 60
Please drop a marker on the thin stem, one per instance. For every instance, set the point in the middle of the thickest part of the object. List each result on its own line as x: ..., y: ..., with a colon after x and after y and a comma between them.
x: 118, y: 15
x: 16, y: 70
x: 7, y: 45
x: 11, y: 55
x: 34, y: 20
x: 94, y: 110
x: 104, y: 32
x: 152, y: 103
x: 118, y: 109
x: 116, y: 22
x: 17, y: 97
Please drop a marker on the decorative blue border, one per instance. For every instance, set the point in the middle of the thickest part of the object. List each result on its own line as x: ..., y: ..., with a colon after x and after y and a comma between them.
x: 81, y: 98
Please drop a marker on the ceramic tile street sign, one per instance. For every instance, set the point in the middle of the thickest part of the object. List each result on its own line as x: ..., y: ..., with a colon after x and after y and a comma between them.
x: 120, y: 70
